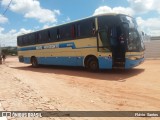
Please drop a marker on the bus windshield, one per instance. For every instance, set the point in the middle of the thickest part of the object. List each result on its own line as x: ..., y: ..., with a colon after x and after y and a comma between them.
x: 134, y: 39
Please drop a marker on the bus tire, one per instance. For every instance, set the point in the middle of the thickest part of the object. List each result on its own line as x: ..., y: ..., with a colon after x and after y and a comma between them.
x: 92, y: 65
x: 34, y: 62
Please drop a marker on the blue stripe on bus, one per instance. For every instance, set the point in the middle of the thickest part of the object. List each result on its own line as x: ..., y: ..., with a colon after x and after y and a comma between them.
x: 67, y: 61
x: 27, y: 48
x: 104, y: 62
x: 61, y: 45
x: 71, y: 44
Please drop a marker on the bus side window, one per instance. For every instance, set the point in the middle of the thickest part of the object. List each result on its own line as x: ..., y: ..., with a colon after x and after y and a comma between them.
x: 39, y: 38
x: 29, y: 39
x: 19, y: 41
x: 22, y: 41
x: 25, y: 40
x: 78, y: 30
x: 49, y: 36
x: 44, y: 36
x: 53, y: 34
x: 93, y: 28
x: 86, y: 28
x: 58, y: 34
x: 33, y: 38
x: 73, y: 31
x: 36, y: 38
x: 66, y: 32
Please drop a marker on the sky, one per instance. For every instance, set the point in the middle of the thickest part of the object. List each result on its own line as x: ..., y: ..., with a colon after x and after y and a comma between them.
x: 23, y: 16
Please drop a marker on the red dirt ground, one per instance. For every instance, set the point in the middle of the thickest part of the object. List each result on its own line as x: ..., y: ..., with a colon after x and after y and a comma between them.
x: 67, y: 88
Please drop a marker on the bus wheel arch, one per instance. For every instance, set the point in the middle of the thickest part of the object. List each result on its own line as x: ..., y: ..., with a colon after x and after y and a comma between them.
x: 34, y: 62
x: 91, y: 63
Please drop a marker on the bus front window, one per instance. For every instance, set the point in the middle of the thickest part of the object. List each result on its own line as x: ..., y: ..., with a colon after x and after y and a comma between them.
x: 134, y: 39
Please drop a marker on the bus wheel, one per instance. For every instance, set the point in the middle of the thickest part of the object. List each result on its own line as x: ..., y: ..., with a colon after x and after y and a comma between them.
x: 93, y: 65
x: 34, y: 62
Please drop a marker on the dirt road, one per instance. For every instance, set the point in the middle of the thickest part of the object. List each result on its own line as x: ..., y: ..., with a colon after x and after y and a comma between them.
x: 63, y: 88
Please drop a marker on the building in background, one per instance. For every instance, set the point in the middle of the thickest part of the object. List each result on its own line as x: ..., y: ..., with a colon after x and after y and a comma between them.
x: 152, y: 45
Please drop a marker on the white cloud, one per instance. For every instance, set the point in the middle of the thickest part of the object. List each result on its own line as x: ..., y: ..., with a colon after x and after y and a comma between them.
x: 107, y: 9
x: 32, y: 9
x: 10, y: 38
x: 57, y: 12
x: 68, y: 19
x: 36, y: 27
x: 48, y: 26
x: 123, y: 10
x: 23, y: 31
x: 102, y: 9
x: 43, y: 15
x: 144, y: 6
x: 1, y: 29
x: 150, y: 26
x: 3, y: 19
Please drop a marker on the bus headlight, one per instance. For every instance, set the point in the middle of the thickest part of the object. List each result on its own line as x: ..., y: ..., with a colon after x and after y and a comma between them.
x: 133, y: 58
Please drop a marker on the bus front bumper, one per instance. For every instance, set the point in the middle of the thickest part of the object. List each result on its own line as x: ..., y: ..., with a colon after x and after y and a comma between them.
x: 133, y: 63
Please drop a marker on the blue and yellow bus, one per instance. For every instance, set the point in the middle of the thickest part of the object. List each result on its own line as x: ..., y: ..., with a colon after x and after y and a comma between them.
x: 104, y: 41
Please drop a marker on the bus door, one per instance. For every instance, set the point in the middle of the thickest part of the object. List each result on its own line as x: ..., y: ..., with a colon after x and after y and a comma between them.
x: 117, y: 42
x: 103, y: 41
x: 104, y: 48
